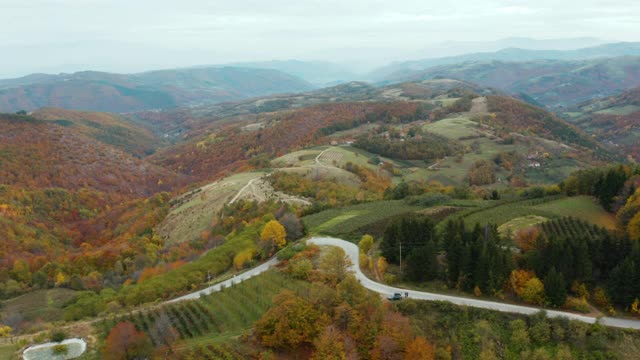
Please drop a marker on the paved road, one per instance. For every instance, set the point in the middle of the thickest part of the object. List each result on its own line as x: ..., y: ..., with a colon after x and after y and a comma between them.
x: 242, y: 277
x: 352, y: 251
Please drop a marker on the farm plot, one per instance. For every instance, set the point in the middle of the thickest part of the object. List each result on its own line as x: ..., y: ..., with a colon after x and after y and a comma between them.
x: 229, y: 311
x: 352, y: 222
x: 581, y: 207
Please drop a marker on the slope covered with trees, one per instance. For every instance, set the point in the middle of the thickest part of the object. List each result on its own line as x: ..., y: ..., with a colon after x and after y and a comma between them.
x: 615, y: 121
x: 97, y: 91
x: 110, y: 129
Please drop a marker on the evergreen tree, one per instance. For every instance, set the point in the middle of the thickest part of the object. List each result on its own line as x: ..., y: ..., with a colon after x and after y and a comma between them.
x: 622, y: 282
x: 555, y: 288
x: 422, y: 263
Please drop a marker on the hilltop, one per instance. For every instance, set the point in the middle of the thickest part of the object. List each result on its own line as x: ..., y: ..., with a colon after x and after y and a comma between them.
x: 99, y: 91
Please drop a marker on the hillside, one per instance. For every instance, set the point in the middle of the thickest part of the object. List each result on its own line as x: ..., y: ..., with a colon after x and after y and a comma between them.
x: 512, y: 54
x: 615, y: 121
x: 42, y: 154
x: 97, y: 91
x: 554, y: 83
x: 445, y: 122
x: 175, y: 124
x: 108, y: 128
x: 319, y: 73
x: 208, y: 153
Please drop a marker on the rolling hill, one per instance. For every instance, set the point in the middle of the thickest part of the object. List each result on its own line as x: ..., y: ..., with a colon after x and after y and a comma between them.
x: 97, y: 91
x: 554, y: 83
x: 614, y: 120
x: 175, y: 124
x: 108, y: 128
x: 490, y: 124
x: 43, y: 154
x: 510, y: 54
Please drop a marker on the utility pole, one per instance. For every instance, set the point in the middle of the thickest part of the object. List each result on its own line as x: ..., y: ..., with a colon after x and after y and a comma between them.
x: 400, y: 257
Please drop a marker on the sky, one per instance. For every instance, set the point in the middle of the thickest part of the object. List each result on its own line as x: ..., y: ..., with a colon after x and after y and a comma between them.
x: 136, y: 35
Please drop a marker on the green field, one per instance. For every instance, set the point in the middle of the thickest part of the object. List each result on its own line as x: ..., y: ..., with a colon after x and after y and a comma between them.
x: 353, y: 221
x: 40, y: 304
x: 453, y: 128
x: 517, y: 215
x: 581, y: 207
x: 501, y: 213
x: 9, y: 352
x: 218, y: 316
x: 620, y: 110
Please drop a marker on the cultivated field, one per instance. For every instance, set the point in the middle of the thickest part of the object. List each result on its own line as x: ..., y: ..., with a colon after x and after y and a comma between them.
x: 194, y: 211
x: 218, y: 316
x: 581, y: 207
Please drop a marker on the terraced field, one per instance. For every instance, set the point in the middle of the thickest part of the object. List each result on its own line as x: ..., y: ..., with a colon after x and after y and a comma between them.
x: 221, y: 314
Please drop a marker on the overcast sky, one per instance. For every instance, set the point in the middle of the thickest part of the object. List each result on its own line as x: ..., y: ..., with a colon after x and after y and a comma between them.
x: 133, y: 35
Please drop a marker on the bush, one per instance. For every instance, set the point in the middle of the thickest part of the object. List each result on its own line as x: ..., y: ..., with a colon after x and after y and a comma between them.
x: 60, y: 349
x: 58, y: 336
x: 577, y: 304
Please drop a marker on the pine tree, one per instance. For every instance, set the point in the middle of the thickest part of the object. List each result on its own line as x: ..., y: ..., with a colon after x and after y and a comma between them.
x: 555, y: 288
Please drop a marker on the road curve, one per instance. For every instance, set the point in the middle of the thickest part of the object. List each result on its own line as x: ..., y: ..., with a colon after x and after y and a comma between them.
x: 352, y: 251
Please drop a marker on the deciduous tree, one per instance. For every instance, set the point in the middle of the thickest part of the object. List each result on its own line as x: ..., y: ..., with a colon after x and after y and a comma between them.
x: 419, y: 349
x: 126, y: 343
x: 273, y: 235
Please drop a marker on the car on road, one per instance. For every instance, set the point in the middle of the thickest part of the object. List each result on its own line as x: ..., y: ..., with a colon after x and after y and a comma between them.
x: 395, y: 296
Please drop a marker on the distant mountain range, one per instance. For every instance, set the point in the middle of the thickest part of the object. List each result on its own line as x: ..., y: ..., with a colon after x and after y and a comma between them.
x: 398, y: 71
x: 319, y: 73
x: 99, y: 91
x: 553, y: 83
x: 554, y: 78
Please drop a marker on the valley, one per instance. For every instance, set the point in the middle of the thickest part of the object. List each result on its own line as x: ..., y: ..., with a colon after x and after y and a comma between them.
x: 241, y: 212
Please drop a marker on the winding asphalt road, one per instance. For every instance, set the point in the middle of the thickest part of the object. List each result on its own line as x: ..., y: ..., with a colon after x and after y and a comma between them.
x: 352, y: 251
x: 227, y: 283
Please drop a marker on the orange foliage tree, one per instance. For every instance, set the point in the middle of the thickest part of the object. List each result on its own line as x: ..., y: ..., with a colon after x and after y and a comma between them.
x: 419, y: 349
x: 290, y: 323
x: 125, y: 342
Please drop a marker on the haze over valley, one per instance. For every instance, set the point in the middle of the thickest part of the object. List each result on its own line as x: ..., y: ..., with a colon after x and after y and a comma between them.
x: 305, y: 180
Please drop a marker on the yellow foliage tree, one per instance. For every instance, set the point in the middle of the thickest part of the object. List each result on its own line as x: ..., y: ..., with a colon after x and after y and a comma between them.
x: 242, y: 258
x: 635, y: 307
x: 633, y: 228
x: 518, y: 280
x: 5, y: 331
x: 274, y: 235
x: 382, y: 265
x: 61, y: 279
x: 533, y: 292
x: 365, y: 244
